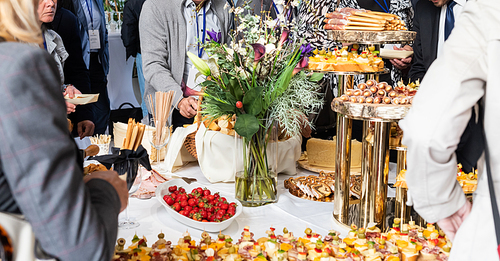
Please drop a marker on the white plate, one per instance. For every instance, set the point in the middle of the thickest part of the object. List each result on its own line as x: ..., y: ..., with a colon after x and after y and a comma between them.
x: 394, y: 54
x: 81, y: 99
x: 162, y: 190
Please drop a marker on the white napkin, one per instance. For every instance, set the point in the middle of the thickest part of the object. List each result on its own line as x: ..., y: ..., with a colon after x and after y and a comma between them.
x: 177, y: 155
x: 217, y: 161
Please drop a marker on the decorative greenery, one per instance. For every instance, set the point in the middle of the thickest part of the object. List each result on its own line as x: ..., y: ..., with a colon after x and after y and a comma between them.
x: 259, y: 78
x: 262, y: 69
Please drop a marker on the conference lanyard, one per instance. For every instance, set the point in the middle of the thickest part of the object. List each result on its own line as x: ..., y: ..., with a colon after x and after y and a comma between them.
x: 200, y: 51
x: 386, y: 8
x: 276, y: 8
x: 44, y: 43
x: 89, y: 8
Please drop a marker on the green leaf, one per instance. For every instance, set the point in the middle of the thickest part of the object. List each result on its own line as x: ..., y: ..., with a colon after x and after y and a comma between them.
x: 225, y: 80
x: 246, y: 125
x: 316, y: 77
x: 238, y: 91
x: 234, y: 88
x: 236, y: 58
x: 230, y: 98
x: 252, y: 101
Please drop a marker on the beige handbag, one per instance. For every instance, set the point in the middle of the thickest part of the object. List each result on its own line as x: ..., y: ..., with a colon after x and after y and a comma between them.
x: 17, y: 240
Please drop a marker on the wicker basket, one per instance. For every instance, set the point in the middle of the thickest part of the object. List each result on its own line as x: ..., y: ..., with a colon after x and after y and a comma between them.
x: 190, y: 144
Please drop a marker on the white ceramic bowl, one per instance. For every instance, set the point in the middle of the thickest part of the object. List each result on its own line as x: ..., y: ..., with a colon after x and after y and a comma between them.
x: 162, y: 190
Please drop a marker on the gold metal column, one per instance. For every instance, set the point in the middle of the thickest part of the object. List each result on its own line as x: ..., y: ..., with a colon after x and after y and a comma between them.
x: 367, y: 190
x: 379, y: 172
x: 401, y: 210
x: 342, y: 169
x: 343, y: 157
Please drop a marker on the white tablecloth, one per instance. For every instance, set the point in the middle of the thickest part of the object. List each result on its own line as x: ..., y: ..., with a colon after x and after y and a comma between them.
x: 120, y: 87
x: 295, y: 213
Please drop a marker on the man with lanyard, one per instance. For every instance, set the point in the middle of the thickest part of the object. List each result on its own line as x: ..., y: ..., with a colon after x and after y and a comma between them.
x: 168, y: 30
x: 90, y: 14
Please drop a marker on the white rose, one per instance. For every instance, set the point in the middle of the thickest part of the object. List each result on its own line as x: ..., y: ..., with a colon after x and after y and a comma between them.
x: 270, y: 48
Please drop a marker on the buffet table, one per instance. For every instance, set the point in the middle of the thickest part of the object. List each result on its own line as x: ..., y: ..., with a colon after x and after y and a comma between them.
x: 294, y: 213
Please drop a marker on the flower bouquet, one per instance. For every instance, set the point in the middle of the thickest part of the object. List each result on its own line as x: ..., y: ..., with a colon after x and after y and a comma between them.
x: 259, y: 77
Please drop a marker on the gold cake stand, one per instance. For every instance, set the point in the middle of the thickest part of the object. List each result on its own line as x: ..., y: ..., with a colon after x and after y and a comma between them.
x: 375, y: 156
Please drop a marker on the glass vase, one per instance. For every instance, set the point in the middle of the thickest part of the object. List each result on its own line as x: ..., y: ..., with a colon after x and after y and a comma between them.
x: 255, y: 162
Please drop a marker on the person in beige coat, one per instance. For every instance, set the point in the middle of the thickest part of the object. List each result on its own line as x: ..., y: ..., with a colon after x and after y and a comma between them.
x: 465, y: 74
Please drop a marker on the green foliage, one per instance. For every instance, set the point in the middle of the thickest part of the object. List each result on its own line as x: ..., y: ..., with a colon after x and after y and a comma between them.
x: 269, y: 88
x: 246, y: 125
x: 316, y: 77
x: 252, y: 102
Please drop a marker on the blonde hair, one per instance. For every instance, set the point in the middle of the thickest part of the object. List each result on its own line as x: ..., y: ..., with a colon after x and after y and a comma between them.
x: 19, y: 21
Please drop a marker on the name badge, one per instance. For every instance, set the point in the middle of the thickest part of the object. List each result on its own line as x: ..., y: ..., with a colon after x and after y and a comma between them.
x: 194, y: 79
x: 95, y: 43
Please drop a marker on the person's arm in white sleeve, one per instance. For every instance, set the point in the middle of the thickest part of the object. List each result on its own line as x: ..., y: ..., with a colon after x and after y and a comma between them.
x: 440, y: 112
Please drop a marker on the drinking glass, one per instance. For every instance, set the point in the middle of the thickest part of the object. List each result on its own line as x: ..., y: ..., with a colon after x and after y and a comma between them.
x: 134, y: 181
x: 158, y: 142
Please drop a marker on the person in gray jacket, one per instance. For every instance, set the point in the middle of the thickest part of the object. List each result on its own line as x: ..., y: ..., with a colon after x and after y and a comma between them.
x: 168, y: 29
x: 454, y: 83
x: 73, y: 217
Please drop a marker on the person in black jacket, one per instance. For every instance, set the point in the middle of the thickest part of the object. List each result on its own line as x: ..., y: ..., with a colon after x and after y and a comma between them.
x: 131, y: 41
x: 429, y: 23
x: 75, y: 71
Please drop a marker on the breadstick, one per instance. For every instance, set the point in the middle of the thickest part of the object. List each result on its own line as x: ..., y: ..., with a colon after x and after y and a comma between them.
x: 367, y: 20
x: 130, y: 127
x: 123, y: 144
x: 364, y: 28
x: 382, y: 14
x: 133, y: 137
x: 140, y: 134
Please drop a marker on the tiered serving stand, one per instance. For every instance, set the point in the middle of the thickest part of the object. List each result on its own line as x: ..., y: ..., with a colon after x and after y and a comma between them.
x: 375, y: 155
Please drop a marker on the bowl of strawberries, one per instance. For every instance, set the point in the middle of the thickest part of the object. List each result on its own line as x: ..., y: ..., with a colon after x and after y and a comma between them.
x: 197, y: 206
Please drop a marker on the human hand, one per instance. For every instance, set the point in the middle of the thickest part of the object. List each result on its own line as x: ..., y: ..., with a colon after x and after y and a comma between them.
x: 188, y: 107
x: 70, y: 108
x: 85, y: 128
x: 113, y: 179
x: 402, y: 64
x: 451, y: 224
x: 71, y: 91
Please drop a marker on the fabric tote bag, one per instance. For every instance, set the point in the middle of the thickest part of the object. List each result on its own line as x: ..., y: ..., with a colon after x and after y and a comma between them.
x: 123, y: 114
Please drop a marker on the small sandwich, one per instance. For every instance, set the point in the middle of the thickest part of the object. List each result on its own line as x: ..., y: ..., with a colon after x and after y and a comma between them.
x: 410, y: 253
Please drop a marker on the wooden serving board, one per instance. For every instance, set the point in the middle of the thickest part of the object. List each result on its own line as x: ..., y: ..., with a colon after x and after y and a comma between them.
x: 328, y: 170
x: 385, y: 112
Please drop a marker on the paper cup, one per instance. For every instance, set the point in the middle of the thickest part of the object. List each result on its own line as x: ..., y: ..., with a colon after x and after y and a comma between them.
x: 103, y: 149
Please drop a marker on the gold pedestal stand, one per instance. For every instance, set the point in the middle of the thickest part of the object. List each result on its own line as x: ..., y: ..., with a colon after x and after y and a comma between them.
x: 374, y: 163
x: 401, y: 210
x: 375, y: 156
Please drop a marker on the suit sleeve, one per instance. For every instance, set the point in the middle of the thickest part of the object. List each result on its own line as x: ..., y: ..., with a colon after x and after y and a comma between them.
x: 75, y: 70
x: 130, y: 29
x: 417, y: 70
x: 440, y: 113
x: 38, y: 159
x: 154, y: 50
